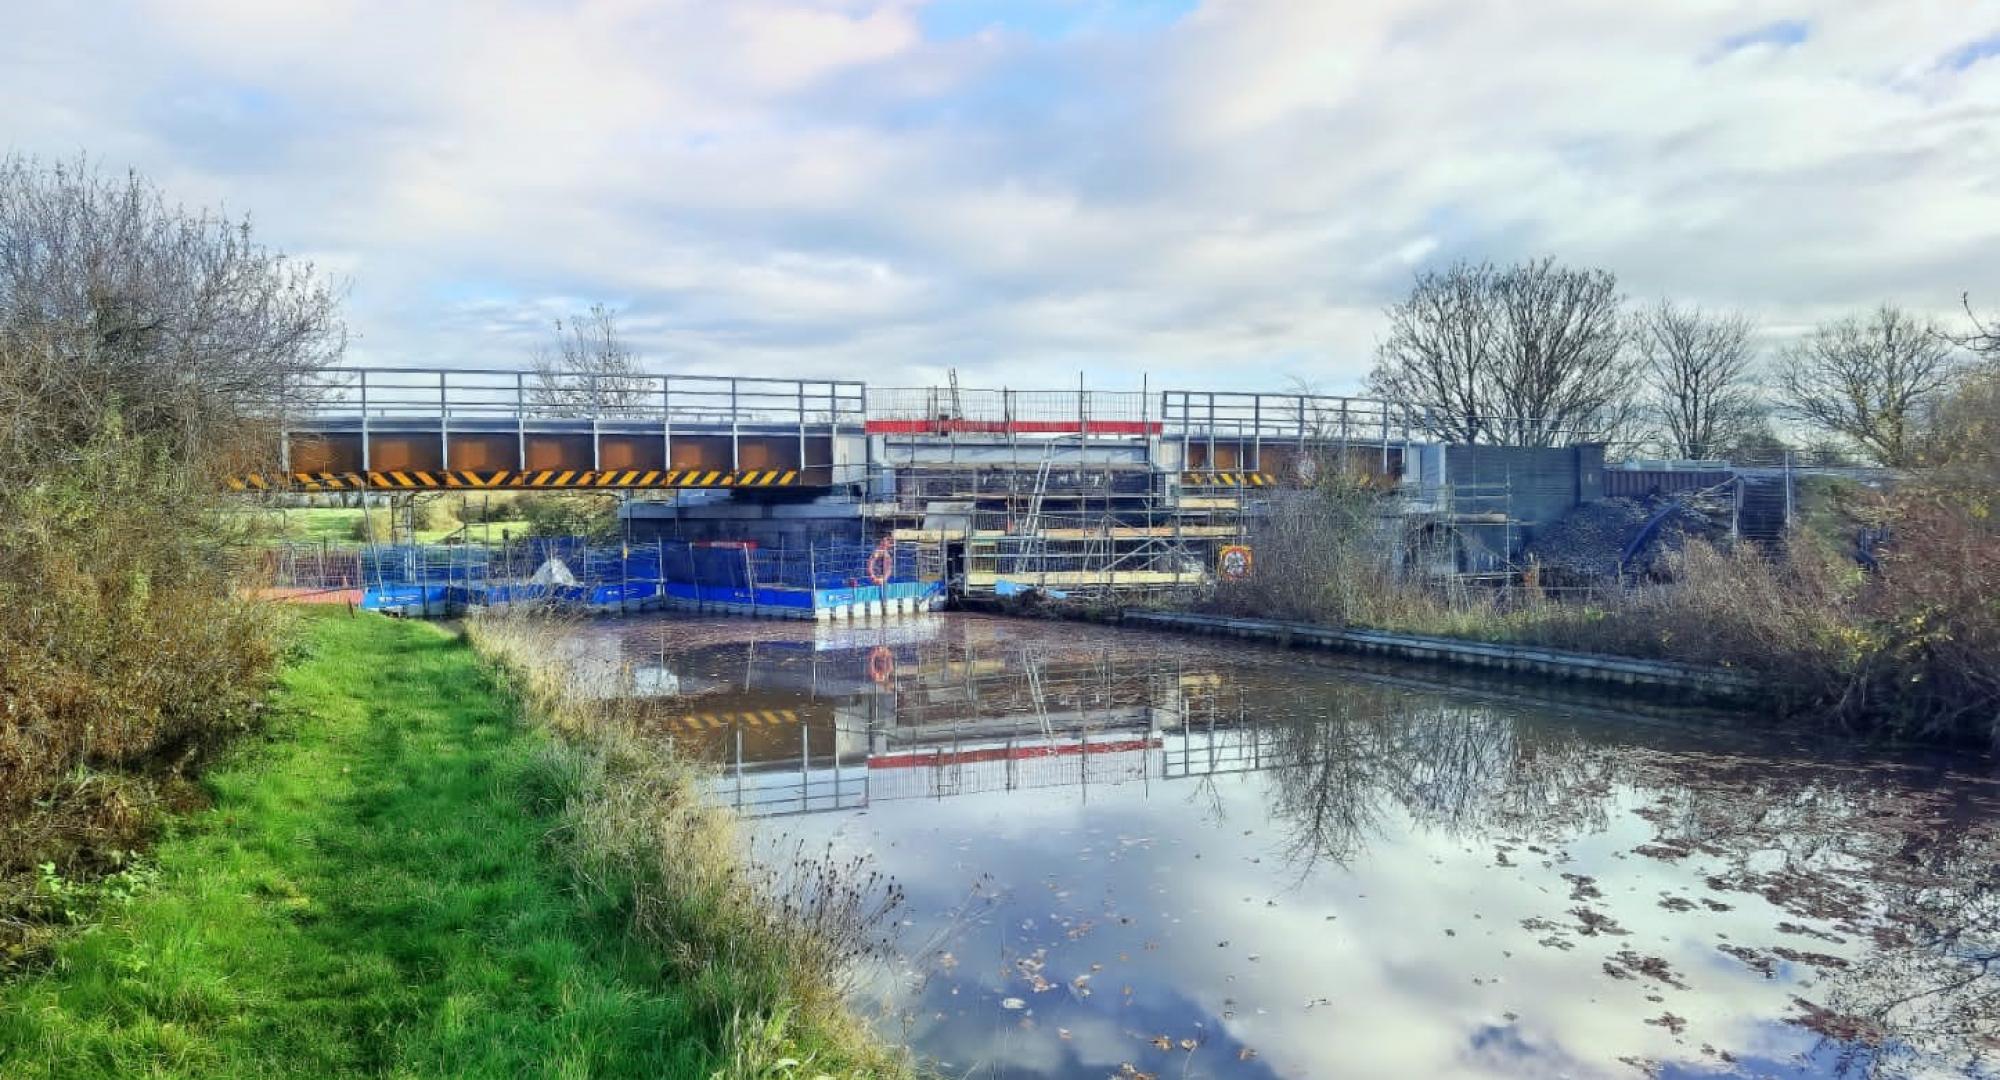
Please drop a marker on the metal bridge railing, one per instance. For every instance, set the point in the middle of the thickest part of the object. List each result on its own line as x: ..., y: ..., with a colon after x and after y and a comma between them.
x: 937, y: 409
x: 447, y: 395
x: 471, y: 393
x: 1276, y: 417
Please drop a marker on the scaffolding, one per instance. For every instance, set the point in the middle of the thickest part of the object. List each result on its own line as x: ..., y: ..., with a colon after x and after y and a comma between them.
x: 1060, y: 524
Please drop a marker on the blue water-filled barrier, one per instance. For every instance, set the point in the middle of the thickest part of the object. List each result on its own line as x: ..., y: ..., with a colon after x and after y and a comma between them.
x: 832, y: 581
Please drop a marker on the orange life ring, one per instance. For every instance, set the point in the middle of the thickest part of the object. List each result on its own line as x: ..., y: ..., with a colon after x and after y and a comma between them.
x: 881, y: 563
x: 881, y: 664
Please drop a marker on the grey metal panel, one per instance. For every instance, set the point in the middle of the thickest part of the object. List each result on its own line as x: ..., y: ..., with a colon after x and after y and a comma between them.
x: 1639, y: 483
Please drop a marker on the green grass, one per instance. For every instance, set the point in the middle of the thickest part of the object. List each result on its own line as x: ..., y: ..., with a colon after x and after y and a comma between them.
x: 335, y: 525
x: 373, y: 892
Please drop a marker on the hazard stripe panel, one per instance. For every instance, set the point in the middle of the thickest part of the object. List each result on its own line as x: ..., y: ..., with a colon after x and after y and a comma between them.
x: 758, y: 718
x: 513, y: 479
x: 1228, y: 479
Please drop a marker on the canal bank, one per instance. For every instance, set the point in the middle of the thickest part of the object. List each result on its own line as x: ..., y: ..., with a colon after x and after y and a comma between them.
x: 1713, y: 685
x: 379, y: 888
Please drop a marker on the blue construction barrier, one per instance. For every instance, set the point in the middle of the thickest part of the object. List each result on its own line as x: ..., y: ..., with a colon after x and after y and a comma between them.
x: 824, y: 581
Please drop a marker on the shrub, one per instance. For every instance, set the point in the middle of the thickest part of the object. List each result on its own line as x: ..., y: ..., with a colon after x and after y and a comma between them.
x: 1908, y: 648
x: 127, y: 650
x: 144, y: 353
x: 382, y: 524
x: 551, y: 514
x: 483, y: 508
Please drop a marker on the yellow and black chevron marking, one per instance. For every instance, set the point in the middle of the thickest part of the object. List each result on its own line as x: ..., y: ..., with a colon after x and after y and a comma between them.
x: 751, y: 718
x: 514, y: 480
x: 1228, y: 479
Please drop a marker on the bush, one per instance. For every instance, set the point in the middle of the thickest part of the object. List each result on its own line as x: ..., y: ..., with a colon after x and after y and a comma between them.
x: 551, y: 514
x: 1323, y: 555
x: 1909, y: 648
x: 127, y: 651
x: 145, y: 352
x: 484, y: 508
x: 371, y: 527
x: 381, y: 524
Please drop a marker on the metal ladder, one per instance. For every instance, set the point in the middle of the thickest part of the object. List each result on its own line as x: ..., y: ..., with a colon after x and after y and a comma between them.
x: 1034, y: 546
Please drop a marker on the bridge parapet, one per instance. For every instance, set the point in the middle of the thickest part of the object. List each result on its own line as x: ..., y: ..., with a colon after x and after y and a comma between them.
x: 421, y: 427
x: 531, y: 429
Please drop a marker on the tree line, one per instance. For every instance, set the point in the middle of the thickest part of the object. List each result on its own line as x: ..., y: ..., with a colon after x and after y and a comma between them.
x: 1538, y: 354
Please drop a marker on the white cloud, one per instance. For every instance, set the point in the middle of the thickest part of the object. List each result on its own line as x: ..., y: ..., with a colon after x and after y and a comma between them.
x: 790, y: 185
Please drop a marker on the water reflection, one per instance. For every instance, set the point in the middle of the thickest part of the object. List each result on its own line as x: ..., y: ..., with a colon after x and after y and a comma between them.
x: 1133, y: 855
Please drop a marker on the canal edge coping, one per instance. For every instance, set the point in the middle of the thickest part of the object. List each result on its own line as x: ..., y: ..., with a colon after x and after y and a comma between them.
x: 1719, y: 684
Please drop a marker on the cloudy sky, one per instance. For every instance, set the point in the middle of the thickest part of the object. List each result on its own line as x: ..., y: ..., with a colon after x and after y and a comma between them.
x: 1219, y: 193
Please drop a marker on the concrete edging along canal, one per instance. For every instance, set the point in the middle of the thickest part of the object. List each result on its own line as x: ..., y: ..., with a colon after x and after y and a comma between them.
x: 1715, y: 684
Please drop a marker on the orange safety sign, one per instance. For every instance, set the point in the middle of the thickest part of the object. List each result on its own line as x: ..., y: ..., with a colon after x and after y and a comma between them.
x: 1234, y: 562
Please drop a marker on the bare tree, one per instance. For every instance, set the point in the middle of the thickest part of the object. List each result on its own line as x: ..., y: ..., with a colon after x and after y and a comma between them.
x: 1531, y: 355
x: 1870, y: 381
x: 590, y: 371
x: 119, y: 310
x: 1983, y: 340
x: 1698, y: 368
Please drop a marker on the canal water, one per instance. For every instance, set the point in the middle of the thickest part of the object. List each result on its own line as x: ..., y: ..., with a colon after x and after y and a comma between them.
x: 1128, y: 854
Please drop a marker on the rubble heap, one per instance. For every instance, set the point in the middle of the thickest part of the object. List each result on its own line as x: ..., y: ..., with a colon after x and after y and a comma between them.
x: 1587, y: 543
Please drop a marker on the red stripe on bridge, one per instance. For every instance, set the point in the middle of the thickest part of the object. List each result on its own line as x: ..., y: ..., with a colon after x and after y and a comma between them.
x: 1013, y: 427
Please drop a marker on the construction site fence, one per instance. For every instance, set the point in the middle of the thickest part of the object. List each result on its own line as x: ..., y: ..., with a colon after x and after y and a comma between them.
x: 725, y: 564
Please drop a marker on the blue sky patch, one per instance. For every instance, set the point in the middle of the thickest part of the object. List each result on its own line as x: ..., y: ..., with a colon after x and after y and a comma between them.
x: 1049, y: 20
x: 1972, y: 52
x: 1783, y: 34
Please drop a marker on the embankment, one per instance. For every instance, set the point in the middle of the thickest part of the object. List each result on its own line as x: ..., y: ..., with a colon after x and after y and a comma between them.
x: 387, y: 884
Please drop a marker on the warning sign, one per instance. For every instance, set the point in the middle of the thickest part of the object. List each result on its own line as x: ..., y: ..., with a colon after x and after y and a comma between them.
x: 1234, y: 562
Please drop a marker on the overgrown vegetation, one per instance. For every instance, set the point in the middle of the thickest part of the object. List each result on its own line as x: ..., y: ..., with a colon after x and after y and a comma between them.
x: 763, y: 952
x: 1904, y: 641
x: 373, y: 893
x: 141, y: 348
x: 1880, y: 612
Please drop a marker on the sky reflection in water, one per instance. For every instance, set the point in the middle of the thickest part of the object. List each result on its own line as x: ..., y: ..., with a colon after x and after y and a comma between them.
x: 1135, y: 855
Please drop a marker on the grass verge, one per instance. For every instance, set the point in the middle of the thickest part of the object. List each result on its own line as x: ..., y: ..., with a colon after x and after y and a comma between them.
x: 766, y: 949
x: 379, y: 889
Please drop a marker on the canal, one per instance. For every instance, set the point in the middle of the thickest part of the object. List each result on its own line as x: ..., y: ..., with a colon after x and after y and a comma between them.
x: 1133, y: 854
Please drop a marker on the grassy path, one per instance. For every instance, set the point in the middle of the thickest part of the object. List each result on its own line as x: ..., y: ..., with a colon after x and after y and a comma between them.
x: 370, y: 894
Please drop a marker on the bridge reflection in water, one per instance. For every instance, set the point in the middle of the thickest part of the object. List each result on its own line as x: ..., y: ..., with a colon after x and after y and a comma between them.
x: 1644, y: 886
x: 821, y: 717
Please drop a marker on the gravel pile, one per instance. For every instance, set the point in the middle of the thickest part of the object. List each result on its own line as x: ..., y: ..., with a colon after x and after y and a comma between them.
x: 1587, y: 542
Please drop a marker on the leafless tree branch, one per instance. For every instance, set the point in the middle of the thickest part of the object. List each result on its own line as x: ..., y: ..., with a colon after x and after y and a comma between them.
x: 1531, y: 355
x: 1697, y: 366
x: 1870, y: 380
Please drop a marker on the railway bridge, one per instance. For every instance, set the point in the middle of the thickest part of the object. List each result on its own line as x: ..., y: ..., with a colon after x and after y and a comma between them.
x: 997, y: 490
x: 414, y: 429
